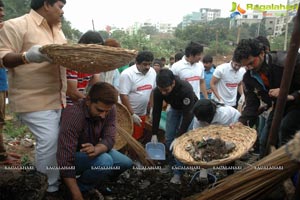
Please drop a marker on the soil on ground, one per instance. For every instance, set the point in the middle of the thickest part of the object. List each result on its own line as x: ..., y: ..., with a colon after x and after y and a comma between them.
x: 136, y: 183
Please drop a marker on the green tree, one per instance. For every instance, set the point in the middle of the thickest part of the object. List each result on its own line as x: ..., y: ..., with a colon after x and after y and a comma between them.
x: 16, y: 8
x: 72, y: 34
x: 149, y: 30
x: 104, y: 34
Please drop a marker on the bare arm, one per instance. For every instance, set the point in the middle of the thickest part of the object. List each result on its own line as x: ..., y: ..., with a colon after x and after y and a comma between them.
x: 151, y: 100
x: 12, y: 60
x: 240, y: 88
x: 275, y: 93
x: 125, y: 102
x: 203, y: 88
x: 73, y: 187
x: 96, y: 78
x: 213, y: 87
x: 72, y: 91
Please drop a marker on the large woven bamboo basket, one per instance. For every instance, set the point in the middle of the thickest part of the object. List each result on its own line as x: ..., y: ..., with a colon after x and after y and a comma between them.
x: 242, y: 136
x: 88, y: 58
x: 124, y: 120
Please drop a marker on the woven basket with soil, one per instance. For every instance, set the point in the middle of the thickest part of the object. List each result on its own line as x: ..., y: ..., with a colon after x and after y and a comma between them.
x: 88, y: 58
x: 241, y: 137
x: 124, y: 121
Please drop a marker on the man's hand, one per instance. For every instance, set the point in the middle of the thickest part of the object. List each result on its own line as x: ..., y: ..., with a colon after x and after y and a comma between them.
x: 154, y: 139
x: 274, y: 92
x: 33, y: 55
x: 89, y: 149
x: 232, y: 125
x: 137, y: 119
x: 172, y: 145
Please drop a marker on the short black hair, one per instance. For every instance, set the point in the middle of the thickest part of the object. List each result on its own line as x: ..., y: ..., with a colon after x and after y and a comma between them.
x: 204, y: 110
x: 265, y: 42
x: 178, y: 56
x: 163, y: 59
x: 103, y: 92
x: 144, y: 56
x: 158, y: 61
x: 193, y: 48
x: 207, y: 59
x: 91, y: 37
x: 1, y: 4
x: 164, y: 78
x: 246, y: 48
x: 36, y: 4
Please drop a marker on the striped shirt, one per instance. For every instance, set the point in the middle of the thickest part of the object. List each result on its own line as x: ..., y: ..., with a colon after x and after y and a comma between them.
x: 82, y: 79
x: 78, y: 127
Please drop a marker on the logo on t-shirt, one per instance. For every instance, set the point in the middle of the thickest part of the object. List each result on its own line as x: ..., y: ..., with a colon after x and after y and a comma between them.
x: 186, y: 101
x: 194, y: 78
x: 232, y: 85
x: 144, y: 87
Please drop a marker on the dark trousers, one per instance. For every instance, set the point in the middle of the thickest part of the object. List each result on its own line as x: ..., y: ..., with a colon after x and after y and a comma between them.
x: 290, y: 123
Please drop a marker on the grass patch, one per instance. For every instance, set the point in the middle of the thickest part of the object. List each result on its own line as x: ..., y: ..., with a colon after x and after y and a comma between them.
x: 14, y: 129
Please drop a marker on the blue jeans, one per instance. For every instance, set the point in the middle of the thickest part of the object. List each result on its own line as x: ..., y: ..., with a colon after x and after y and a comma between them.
x: 174, y: 118
x: 105, y: 166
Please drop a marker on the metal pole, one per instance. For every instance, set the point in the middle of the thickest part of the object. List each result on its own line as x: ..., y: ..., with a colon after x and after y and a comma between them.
x: 93, y: 25
x: 238, y: 34
x: 285, y: 81
x: 258, y: 29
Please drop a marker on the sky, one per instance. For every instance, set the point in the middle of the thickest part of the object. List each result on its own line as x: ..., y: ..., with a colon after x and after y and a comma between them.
x: 124, y: 13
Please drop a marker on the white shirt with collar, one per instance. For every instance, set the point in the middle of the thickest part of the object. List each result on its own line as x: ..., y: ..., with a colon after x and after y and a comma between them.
x: 138, y: 87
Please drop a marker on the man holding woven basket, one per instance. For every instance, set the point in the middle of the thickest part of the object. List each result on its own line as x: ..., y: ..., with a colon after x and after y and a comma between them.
x: 36, y: 86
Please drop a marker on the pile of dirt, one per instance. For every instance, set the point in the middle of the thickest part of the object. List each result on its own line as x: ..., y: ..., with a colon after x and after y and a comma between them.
x: 209, y: 149
x: 22, y: 185
x: 152, y: 185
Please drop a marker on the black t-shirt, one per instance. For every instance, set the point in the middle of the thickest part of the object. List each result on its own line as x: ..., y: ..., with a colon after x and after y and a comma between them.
x: 181, y: 98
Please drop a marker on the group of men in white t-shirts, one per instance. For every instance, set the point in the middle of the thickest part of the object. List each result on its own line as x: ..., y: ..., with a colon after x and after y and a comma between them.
x: 137, y: 82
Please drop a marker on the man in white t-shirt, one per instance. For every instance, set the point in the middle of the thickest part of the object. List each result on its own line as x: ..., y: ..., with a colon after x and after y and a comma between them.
x: 191, y: 69
x: 136, y: 85
x: 226, y: 82
x: 210, y: 112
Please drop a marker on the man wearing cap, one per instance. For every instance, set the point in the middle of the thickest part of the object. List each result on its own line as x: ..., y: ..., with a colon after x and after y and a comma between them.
x: 179, y: 94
